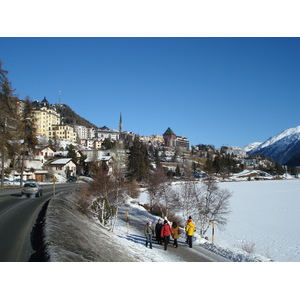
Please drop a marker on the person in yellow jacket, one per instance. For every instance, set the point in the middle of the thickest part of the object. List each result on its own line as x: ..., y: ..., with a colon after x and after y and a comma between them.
x: 190, y: 228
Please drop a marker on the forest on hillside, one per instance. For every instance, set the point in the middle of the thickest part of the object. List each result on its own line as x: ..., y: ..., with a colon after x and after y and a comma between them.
x: 70, y: 117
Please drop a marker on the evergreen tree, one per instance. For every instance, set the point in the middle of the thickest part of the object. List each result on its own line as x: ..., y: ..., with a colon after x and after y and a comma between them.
x: 71, y: 153
x: 217, y: 164
x: 278, y: 169
x: 209, y: 168
x: 177, y: 171
x: 27, y: 133
x: 107, y: 144
x: 7, y: 116
x: 138, y: 161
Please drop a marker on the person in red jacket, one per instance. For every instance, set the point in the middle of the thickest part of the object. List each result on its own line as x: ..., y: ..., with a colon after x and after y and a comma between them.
x: 165, y: 233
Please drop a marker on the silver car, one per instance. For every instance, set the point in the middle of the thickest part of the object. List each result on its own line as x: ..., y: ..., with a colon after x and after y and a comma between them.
x: 32, y: 188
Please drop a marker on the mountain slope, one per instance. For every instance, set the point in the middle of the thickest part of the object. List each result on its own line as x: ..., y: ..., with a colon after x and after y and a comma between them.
x: 281, y: 147
x: 252, y: 146
x: 70, y: 117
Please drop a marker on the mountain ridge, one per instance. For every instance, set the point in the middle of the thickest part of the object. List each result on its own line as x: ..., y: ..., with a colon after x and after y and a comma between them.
x: 282, y: 147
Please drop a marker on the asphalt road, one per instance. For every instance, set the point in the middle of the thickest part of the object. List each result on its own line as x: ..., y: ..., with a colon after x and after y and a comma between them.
x: 18, y: 215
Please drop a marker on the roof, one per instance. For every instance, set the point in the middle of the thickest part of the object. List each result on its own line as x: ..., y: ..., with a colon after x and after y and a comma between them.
x: 100, y: 158
x: 169, y: 131
x: 61, y: 161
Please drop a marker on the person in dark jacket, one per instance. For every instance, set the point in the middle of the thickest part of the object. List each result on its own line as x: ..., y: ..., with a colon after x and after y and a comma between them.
x: 166, y: 231
x: 158, y: 227
x: 149, y: 231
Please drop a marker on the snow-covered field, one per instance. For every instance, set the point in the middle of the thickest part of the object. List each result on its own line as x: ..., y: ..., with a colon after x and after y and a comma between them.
x: 265, y: 214
x: 264, y: 220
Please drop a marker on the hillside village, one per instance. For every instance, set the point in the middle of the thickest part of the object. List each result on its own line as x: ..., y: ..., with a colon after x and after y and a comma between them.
x: 67, y: 148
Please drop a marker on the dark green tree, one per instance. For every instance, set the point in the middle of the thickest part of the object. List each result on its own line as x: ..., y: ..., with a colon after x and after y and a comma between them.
x: 278, y: 169
x: 71, y: 153
x: 138, y: 161
x: 217, y: 165
x: 177, y: 171
x: 27, y: 133
x: 8, y: 116
x: 209, y: 168
x: 107, y: 144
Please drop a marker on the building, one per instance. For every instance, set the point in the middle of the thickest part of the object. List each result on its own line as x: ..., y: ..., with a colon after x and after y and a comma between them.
x: 182, y: 142
x: 236, y: 151
x: 105, y: 133
x: 81, y: 131
x: 171, y: 140
x: 44, y: 153
x: 63, y: 166
x: 45, y: 117
x: 63, y: 133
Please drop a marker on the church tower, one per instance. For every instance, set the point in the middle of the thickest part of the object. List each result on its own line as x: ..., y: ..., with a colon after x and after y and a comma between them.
x: 121, y: 124
x: 169, y: 138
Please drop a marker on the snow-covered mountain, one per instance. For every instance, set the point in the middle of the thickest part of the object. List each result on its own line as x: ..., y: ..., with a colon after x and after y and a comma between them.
x: 251, y: 146
x: 281, y: 147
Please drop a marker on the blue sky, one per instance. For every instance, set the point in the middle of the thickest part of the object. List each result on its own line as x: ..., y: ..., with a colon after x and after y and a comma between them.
x: 211, y: 90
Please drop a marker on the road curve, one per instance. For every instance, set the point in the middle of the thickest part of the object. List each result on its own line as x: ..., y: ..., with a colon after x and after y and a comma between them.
x: 18, y: 215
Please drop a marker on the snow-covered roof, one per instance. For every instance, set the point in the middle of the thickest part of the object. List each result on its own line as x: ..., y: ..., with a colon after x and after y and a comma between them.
x: 100, y: 158
x: 61, y: 161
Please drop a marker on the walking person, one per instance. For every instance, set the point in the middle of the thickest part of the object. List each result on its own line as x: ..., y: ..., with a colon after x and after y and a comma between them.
x: 158, y: 227
x: 149, y: 231
x: 190, y: 228
x: 166, y: 231
x: 176, y: 231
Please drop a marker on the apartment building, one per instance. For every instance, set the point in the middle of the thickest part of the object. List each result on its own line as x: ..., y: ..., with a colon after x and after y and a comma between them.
x: 105, y: 133
x: 45, y: 119
x: 63, y: 133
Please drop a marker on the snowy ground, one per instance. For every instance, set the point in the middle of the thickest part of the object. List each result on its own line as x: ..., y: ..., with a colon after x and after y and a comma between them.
x: 265, y: 217
x: 265, y: 214
x: 264, y: 220
x: 71, y: 236
x: 256, y: 208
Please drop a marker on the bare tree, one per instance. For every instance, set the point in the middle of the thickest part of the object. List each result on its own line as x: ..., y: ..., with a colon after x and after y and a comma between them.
x: 155, y: 181
x: 104, y: 194
x: 186, y: 195
x: 212, y: 204
x: 118, y: 169
x: 101, y: 194
x: 206, y: 202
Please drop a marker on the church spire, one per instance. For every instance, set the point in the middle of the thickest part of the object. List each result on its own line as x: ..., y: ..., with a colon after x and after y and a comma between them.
x: 121, y: 124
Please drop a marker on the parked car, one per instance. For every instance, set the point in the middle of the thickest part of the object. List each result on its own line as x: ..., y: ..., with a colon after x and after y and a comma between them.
x: 32, y: 188
x: 30, y: 180
x: 72, y: 179
x: 6, y: 181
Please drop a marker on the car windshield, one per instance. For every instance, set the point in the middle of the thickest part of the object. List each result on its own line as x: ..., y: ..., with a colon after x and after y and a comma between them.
x: 29, y: 185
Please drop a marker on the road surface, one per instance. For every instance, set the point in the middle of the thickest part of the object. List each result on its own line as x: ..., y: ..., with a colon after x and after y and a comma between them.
x: 18, y: 215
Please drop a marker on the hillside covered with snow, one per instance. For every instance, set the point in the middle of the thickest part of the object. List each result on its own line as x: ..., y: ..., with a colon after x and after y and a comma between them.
x: 281, y: 147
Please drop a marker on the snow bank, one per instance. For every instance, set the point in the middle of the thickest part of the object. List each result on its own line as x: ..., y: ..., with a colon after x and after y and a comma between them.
x: 71, y: 236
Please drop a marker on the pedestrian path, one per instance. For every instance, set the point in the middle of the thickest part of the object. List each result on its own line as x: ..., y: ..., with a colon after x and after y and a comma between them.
x: 135, y: 233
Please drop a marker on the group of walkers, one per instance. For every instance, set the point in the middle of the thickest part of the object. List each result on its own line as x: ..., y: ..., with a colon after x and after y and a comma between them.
x: 163, y: 232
